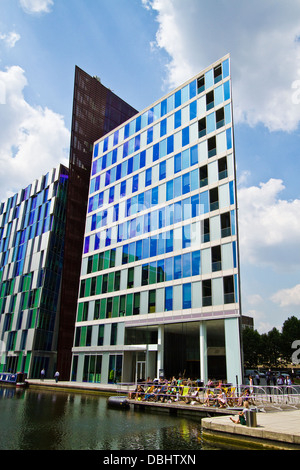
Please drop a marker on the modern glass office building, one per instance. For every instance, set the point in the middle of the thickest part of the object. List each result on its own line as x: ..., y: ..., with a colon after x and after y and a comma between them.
x: 159, y: 284
x: 32, y: 231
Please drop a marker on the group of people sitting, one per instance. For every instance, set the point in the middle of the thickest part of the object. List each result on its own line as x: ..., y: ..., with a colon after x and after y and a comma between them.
x: 186, y: 391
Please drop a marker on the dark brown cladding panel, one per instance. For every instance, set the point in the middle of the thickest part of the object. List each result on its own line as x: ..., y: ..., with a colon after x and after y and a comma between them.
x: 96, y: 111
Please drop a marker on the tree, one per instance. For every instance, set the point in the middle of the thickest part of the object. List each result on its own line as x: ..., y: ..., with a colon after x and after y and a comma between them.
x: 271, y: 348
x: 251, y: 347
x: 290, y: 333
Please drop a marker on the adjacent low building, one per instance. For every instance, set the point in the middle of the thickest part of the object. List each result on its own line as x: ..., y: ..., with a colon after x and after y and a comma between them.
x: 159, y: 285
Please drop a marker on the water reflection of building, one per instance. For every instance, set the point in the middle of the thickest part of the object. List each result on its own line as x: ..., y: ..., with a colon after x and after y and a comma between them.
x: 159, y: 284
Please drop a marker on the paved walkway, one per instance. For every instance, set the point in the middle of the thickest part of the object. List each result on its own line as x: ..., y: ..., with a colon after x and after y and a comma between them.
x: 281, y: 428
x: 274, y: 428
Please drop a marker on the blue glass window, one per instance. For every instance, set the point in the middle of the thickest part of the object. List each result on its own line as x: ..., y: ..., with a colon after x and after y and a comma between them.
x: 114, y: 156
x: 156, y: 152
x: 86, y: 244
x: 229, y: 138
x: 185, y: 157
x: 186, y: 237
x: 194, y: 155
x: 143, y: 159
x: 103, y: 162
x: 169, y: 190
x: 135, y: 183
x: 137, y: 143
x: 210, y: 123
x: 187, y: 295
x: 196, y: 263
x: 154, y: 198
x: 186, y: 209
x: 193, y: 110
x: 128, y: 206
x: 108, y: 237
x: 227, y: 114
x: 177, y: 163
x: 195, y: 205
x: 130, y: 166
x: 177, y: 212
x: 163, y: 127
x: 154, y: 220
x: 209, y: 79
x: 91, y: 202
x: 96, y: 150
x: 161, y: 243
x: 138, y: 124
x: 125, y: 150
x: 111, y: 194
x: 150, y: 135
x: 168, y: 298
x: 186, y: 265
x: 185, y: 136
x: 170, y: 144
x: 148, y: 177
x: 105, y: 144
x: 231, y: 192
x: 162, y: 170
x: 140, y: 202
x: 163, y: 110
x: 186, y: 183
x: 169, y: 241
x: 153, y: 246
x: 123, y: 189
x: 194, y: 179
x: 170, y: 103
x: 150, y: 116
x: 116, y: 138
x: 226, y: 90
x: 138, y: 250
x: 116, y: 213
x: 177, y: 98
x: 146, y: 223
x: 177, y: 267
x: 225, y: 67
x: 146, y: 250
x: 97, y: 241
x: 161, y: 218
x: 204, y: 206
x: 126, y: 131
x: 177, y: 187
x: 177, y: 119
x: 100, y: 199
x: 148, y: 199
x: 169, y: 269
x: 193, y: 89
x: 163, y: 148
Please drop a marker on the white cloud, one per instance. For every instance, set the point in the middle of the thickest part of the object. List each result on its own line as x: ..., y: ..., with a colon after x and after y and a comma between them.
x: 33, y: 140
x: 254, y: 299
x: 260, y: 322
x: 269, y: 227
x: 10, y: 39
x: 287, y: 297
x: 36, y: 6
x: 263, y: 40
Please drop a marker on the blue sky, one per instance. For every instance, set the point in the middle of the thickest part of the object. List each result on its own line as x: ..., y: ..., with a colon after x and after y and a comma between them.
x: 141, y: 49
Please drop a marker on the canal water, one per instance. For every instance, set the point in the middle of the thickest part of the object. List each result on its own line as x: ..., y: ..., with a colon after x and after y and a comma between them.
x: 44, y: 420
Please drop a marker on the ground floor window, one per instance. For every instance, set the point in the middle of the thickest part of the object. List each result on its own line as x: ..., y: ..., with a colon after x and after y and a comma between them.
x: 92, y: 369
x: 115, y: 368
